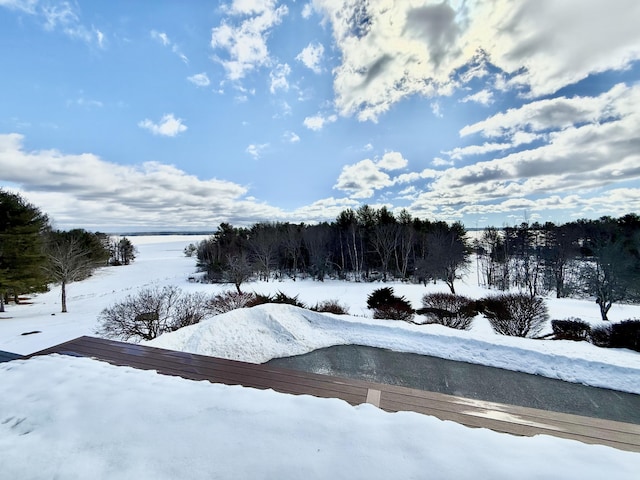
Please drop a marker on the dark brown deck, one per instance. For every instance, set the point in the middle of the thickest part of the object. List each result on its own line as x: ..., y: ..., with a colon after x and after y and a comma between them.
x: 473, y: 413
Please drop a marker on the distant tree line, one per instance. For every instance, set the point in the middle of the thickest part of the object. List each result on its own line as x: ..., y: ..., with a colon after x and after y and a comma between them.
x: 33, y: 255
x: 360, y: 245
x: 585, y: 258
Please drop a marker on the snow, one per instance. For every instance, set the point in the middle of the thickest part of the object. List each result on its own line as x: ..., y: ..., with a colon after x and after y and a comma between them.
x: 64, y: 417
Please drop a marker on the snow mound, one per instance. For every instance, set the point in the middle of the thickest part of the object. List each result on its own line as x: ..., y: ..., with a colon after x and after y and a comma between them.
x: 254, y: 335
x: 269, y: 331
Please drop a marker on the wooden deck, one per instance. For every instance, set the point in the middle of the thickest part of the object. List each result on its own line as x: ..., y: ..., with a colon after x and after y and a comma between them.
x: 473, y: 413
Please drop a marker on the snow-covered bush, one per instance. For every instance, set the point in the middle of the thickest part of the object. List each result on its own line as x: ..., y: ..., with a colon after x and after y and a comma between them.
x: 515, y: 314
x: 571, y: 329
x: 455, y: 311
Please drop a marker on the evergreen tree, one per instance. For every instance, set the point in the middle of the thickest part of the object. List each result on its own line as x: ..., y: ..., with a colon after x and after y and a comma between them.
x: 22, y: 259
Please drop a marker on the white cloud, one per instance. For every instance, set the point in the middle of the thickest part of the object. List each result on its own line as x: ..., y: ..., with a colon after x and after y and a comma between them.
x: 483, y: 97
x: 317, y: 122
x: 169, y: 126
x: 362, y: 179
x: 62, y: 16
x: 278, y: 78
x: 245, y: 42
x: 441, y: 162
x: 200, y: 79
x: 89, y: 192
x: 291, y: 137
x: 394, y: 50
x: 164, y: 40
x: 307, y: 11
x: 435, y: 108
x: 84, y: 102
x: 600, y: 151
x: 311, y: 57
x: 555, y: 113
x: 392, y: 161
x: 161, y: 37
x: 27, y: 6
x: 255, y: 150
x: 460, y: 152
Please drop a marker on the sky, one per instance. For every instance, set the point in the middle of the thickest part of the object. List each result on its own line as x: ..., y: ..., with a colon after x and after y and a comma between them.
x: 128, y: 116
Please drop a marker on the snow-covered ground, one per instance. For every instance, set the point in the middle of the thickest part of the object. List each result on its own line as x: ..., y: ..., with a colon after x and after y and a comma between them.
x: 78, y: 418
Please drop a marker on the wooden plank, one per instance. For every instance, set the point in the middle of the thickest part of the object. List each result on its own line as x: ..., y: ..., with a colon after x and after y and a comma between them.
x: 373, y: 397
x: 473, y: 413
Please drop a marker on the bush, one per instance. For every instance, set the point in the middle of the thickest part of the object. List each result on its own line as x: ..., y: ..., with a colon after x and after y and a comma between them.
x: 331, y: 306
x: 601, y: 336
x: 386, y: 305
x: 400, y: 310
x: 515, y: 314
x: 380, y: 297
x: 455, y: 311
x: 279, y: 297
x: 189, y: 309
x: 231, y: 300
x: 150, y: 313
x: 571, y: 329
x: 626, y: 334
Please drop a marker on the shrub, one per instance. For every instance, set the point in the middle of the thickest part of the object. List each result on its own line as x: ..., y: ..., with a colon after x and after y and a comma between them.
x: 150, y: 313
x: 386, y: 305
x: 400, y: 310
x: 601, y: 335
x: 381, y: 296
x: 626, y: 334
x: 570, y: 329
x: 279, y: 297
x: 455, y: 311
x: 515, y: 314
x: 189, y: 309
x: 230, y: 300
x: 331, y: 306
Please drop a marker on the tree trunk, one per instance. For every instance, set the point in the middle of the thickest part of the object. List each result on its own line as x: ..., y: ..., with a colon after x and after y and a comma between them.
x: 1, y: 303
x: 63, y: 288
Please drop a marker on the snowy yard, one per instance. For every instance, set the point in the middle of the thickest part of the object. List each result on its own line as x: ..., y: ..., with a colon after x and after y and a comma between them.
x: 77, y: 418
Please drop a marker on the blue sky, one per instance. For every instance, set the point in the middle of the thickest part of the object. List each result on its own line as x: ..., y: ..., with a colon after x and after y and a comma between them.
x: 164, y: 115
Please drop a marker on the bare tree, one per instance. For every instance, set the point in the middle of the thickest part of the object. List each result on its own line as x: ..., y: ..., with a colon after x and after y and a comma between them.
x: 263, y: 243
x: 238, y: 269
x: 384, y: 239
x: 70, y: 259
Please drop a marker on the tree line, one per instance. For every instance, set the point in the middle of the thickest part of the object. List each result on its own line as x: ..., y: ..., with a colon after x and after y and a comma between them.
x: 598, y: 258
x: 34, y: 255
x: 583, y: 258
x: 361, y: 245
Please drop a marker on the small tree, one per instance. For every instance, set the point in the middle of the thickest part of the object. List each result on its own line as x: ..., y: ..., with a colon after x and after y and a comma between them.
x: 123, y: 252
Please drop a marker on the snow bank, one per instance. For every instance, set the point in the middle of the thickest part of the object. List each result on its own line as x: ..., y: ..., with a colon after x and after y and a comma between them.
x: 76, y: 418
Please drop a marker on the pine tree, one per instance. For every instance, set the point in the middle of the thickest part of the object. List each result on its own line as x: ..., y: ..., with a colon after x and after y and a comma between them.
x: 22, y: 258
